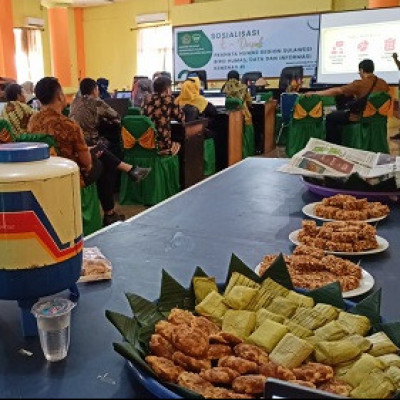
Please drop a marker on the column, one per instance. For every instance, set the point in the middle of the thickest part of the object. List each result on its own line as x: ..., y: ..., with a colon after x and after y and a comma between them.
x: 60, y: 45
x: 7, y: 43
x: 80, y: 42
x: 383, y: 3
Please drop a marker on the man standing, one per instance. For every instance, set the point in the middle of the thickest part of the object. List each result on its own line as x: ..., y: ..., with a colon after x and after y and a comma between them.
x: 369, y: 83
x: 397, y: 61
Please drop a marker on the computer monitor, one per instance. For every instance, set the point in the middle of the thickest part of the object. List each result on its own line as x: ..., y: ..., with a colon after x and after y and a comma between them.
x: 123, y: 95
x: 217, y: 101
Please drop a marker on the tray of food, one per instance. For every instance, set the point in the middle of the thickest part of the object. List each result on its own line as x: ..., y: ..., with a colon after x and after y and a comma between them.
x: 311, y: 268
x: 347, y: 208
x: 227, y: 341
x: 346, y: 238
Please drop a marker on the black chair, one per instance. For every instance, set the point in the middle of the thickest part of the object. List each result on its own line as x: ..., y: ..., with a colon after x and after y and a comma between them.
x: 287, y: 76
x: 202, y: 75
x: 251, y: 77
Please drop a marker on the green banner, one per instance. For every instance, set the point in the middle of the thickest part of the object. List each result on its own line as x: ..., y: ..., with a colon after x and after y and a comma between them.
x: 194, y: 48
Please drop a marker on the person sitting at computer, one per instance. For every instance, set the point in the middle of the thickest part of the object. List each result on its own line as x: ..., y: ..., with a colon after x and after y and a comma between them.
x: 194, y: 104
x: 16, y: 112
x: 161, y: 109
x: 70, y: 142
x: 143, y: 87
x: 358, y: 90
x: 234, y: 88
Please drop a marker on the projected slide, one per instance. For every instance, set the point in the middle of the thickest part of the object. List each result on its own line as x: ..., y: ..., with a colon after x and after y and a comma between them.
x: 348, y: 38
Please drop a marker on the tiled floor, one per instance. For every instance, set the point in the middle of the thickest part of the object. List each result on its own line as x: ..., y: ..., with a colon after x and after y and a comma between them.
x: 393, y: 128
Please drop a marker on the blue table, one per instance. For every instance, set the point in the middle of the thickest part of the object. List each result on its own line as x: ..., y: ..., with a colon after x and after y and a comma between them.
x: 249, y: 209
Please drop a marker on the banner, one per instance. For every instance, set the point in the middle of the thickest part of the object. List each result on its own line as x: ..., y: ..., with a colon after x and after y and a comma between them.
x: 267, y: 45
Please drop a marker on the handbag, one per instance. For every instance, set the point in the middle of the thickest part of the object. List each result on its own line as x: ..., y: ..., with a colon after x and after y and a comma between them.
x: 357, y: 106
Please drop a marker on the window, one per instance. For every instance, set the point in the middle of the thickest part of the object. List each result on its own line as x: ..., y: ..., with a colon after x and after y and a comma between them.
x: 154, y: 50
x: 28, y: 54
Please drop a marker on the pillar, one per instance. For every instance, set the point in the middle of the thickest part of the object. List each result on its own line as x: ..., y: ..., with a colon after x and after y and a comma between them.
x: 7, y: 43
x: 80, y: 42
x: 60, y: 45
x: 383, y: 3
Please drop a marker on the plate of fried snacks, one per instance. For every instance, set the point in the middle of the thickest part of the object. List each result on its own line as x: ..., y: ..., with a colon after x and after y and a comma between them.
x: 226, y: 341
x: 347, y: 208
x: 312, y: 268
x: 95, y: 266
x: 346, y: 238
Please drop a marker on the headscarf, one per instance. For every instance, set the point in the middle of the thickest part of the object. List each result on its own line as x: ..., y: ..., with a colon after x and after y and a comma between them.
x: 190, y: 94
x: 234, y: 88
x: 103, y: 88
x: 142, y: 90
x: 28, y: 87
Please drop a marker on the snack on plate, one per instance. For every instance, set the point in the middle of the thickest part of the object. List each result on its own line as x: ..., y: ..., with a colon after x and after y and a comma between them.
x: 310, y: 268
x: 339, y: 236
x: 348, y: 208
x: 95, y: 266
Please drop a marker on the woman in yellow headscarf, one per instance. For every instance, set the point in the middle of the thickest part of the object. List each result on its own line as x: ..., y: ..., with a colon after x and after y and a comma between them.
x: 193, y: 103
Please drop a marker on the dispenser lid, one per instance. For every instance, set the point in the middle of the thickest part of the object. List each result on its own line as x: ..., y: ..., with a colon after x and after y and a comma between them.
x: 23, y: 152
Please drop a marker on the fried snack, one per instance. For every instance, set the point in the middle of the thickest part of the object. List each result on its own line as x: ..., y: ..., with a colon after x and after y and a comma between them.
x: 327, y: 212
x: 161, y: 347
x: 250, y: 384
x: 310, y: 227
x: 314, y: 373
x: 225, y: 338
x: 303, y: 383
x: 205, y: 325
x: 221, y: 393
x: 180, y: 317
x: 303, y: 250
x: 189, y: 363
x: 338, y: 200
x: 165, y: 329
x: 194, y: 382
x: 220, y: 375
x: 217, y: 351
x: 251, y: 353
x: 336, y: 386
x: 238, y: 364
x: 165, y: 369
x: 190, y: 341
x: 271, y: 370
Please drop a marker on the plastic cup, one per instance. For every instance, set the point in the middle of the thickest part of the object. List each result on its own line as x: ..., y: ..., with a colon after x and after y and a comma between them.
x: 53, y: 319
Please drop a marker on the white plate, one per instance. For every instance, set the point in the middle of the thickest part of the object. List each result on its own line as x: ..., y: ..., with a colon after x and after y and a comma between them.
x: 366, y: 284
x: 309, y: 211
x: 383, y: 245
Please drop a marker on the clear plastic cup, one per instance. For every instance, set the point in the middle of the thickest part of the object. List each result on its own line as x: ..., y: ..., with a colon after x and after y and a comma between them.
x: 53, y: 319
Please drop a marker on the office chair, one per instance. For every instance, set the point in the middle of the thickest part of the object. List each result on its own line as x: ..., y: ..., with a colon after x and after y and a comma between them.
x: 287, y: 76
x: 251, y: 76
x: 202, y: 75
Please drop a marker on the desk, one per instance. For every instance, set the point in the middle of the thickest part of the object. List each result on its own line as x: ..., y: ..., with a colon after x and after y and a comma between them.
x: 248, y: 209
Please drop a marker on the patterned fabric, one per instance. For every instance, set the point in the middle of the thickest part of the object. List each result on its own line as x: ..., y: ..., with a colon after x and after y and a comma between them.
x: 161, y: 109
x: 87, y: 112
x: 234, y: 88
x: 67, y: 134
x: 6, y: 134
x: 18, y: 115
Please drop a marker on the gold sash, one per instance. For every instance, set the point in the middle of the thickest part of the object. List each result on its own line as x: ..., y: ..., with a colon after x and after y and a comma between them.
x: 301, y: 113
x: 383, y: 110
x: 147, y: 140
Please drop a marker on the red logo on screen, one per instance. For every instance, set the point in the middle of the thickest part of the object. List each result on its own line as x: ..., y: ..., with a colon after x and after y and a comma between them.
x: 390, y: 44
x: 363, y: 46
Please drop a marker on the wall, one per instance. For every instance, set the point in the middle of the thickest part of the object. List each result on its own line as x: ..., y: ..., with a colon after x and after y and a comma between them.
x: 111, y: 45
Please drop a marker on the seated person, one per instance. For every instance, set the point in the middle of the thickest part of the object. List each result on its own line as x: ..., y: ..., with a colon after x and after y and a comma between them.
x: 195, y: 105
x: 358, y: 89
x: 234, y: 88
x: 143, y: 87
x: 161, y: 109
x: 29, y: 88
x: 3, y: 83
x: 71, y: 144
x: 103, y: 88
x: 16, y: 112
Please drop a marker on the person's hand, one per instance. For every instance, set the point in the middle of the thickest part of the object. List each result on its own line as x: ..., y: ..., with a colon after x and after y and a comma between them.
x: 395, y: 56
x: 175, y: 148
x: 97, y: 153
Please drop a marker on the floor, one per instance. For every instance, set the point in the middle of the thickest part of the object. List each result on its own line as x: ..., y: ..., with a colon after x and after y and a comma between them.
x: 393, y: 128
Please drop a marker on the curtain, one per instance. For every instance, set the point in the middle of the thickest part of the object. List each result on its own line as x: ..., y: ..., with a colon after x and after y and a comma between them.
x: 154, y: 50
x: 29, y: 54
